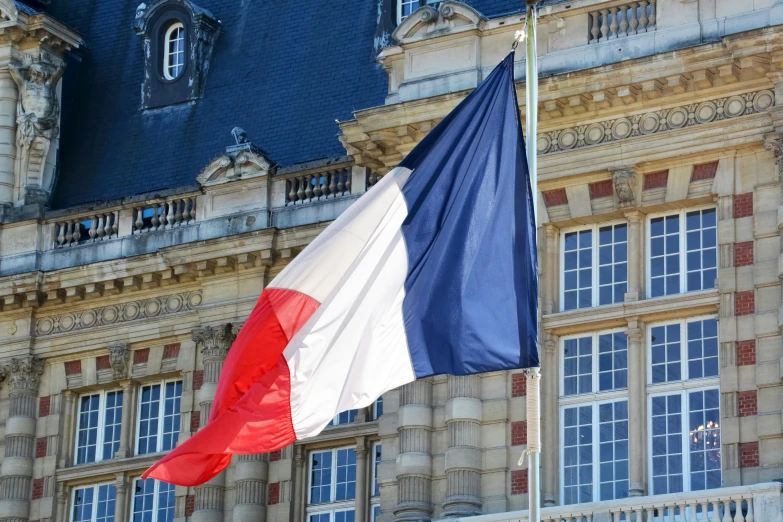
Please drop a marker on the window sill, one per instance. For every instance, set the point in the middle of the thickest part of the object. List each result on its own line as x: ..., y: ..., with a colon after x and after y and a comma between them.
x: 106, y: 469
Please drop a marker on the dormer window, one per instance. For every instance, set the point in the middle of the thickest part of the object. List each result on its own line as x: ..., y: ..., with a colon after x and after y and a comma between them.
x: 174, y: 51
x: 406, y: 7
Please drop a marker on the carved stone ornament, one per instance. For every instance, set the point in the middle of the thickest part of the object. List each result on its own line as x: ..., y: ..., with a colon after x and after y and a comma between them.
x: 624, y: 181
x: 25, y: 373
x: 214, y: 341
x: 450, y: 17
x: 241, y: 161
x: 774, y: 142
x: 119, y: 356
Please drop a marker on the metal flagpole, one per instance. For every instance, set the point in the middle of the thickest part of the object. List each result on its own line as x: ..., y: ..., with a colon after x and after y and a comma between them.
x: 533, y: 374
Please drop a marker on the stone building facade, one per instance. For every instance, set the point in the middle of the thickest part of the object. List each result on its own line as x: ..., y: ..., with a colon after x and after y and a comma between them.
x: 660, y: 155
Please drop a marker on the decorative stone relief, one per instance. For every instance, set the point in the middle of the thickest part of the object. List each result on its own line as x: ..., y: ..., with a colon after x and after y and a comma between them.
x: 115, y: 314
x: 37, y: 122
x: 449, y: 17
x: 241, y: 161
x: 624, y: 181
x: 119, y: 356
x: 774, y: 142
x: 654, y: 122
x: 215, y: 341
x: 25, y: 373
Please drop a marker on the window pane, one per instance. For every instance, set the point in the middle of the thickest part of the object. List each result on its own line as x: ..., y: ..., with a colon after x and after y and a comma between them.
x: 665, y: 353
x: 105, y: 507
x: 345, y: 417
x: 165, y: 502
x: 664, y: 256
x: 612, y: 361
x: 148, y: 419
x: 376, y: 512
x: 345, y: 484
x: 82, y: 504
x: 702, y: 348
x: 406, y: 8
x: 613, y: 450
x: 577, y: 366
x: 612, y: 264
x: 577, y: 270
x: 578, y: 454
x: 171, y: 416
x: 320, y: 477
x: 667, y: 451
x: 377, y: 410
x: 704, y: 439
x: 344, y: 516
x: 143, y: 500
x: 376, y: 489
x: 112, y: 421
x: 701, y: 245
x: 87, y: 432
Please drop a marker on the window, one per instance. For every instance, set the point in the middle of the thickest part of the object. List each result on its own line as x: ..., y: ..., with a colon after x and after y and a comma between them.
x: 346, y: 417
x: 693, y: 233
x: 376, y: 512
x: 375, y: 493
x: 98, y: 430
x: 174, y: 51
x: 595, y: 362
x: 153, y: 501
x: 377, y: 408
x: 678, y: 357
x: 406, y: 7
x: 158, y: 413
x: 93, y: 503
x: 331, y: 489
x: 594, y: 266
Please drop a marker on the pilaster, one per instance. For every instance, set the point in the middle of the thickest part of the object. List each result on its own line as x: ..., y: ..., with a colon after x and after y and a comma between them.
x: 362, y: 484
x: 299, y: 483
x: 636, y: 256
x: 414, y: 463
x: 68, y: 429
x: 550, y: 419
x: 121, y: 506
x: 637, y: 408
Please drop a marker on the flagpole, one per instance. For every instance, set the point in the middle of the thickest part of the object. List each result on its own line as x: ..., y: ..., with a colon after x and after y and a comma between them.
x: 533, y: 374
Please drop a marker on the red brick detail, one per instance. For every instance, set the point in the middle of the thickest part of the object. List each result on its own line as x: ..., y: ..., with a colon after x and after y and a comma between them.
x: 195, y: 421
x: 704, y: 171
x: 190, y: 505
x: 601, y: 189
x: 198, y: 379
x: 656, y: 180
x: 518, y: 385
x: 40, y: 447
x: 274, y: 493
x: 556, y: 197
x: 746, y: 353
x: 743, y: 253
x: 73, y: 367
x: 745, y: 302
x: 749, y: 454
x: 518, y: 433
x: 103, y: 362
x: 276, y: 455
x: 519, y: 482
x: 141, y: 356
x: 44, y: 406
x: 747, y: 403
x: 743, y: 205
x: 171, y: 351
x: 38, y: 485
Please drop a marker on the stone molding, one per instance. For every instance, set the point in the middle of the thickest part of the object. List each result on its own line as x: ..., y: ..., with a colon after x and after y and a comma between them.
x: 654, y: 122
x: 115, y: 314
x: 241, y: 161
x: 25, y: 373
x: 119, y: 357
x: 449, y: 17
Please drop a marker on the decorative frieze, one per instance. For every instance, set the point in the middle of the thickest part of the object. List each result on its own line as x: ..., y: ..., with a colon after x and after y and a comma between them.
x: 115, y: 314
x: 654, y: 122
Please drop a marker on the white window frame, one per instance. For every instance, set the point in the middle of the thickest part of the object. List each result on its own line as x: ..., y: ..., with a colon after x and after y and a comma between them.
x: 155, y: 499
x: 161, y: 415
x: 101, y: 424
x: 596, y: 479
x: 375, y: 415
x: 375, y: 448
x: 400, y: 17
x: 595, y: 395
x: 333, y: 506
x: 336, y: 420
x: 594, y: 262
x: 685, y: 379
x: 683, y: 273
x: 685, y: 413
x: 167, y: 54
x: 93, y: 515
x: 332, y: 512
x: 373, y: 515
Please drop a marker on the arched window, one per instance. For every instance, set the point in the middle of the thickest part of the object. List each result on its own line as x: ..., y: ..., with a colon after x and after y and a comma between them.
x: 174, y: 51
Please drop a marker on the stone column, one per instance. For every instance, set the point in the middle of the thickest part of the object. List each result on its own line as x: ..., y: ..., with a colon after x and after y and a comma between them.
x: 8, y: 100
x: 550, y: 272
x: 252, y: 476
x: 214, y: 343
x: 636, y: 256
x: 67, y: 429
x: 16, y: 470
x: 61, y: 515
x: 121, y: 506
x: 126, y: 428
x: 362, y: 485
x: 299, y: 483
x: 550, y: 420
x: 637, y: 409
x: 414, y: 463
x: 463, y: 456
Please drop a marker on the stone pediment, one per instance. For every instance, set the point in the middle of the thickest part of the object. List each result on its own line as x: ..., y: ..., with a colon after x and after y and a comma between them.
x: 427, y: 22
x: 237, y: 163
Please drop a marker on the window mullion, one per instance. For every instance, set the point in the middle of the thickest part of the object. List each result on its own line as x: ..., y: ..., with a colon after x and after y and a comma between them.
x: 95, y: 495
x: 686, y: 457
x: 333, y: 477
x: 596, y: 454
x: 683, y: 254
x: 161, y: 417
x: 101, y: 426
x: 595, y: 263
x: 684, y: 350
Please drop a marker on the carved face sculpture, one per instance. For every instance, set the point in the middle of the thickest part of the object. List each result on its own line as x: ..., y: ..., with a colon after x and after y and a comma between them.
x: 38, y: 73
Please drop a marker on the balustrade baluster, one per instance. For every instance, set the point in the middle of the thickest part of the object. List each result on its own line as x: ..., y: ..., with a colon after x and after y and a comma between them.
x: 192, y: 210
x: 634, y: 22
x: 346, y: 175
x: 112, y: 223
x: 594, y: 31
x: 715, y: 512
x: 309, y: 187
x: 178, y: 211
x: 300, y: 192
x: 139, y: 223
x: 604, y: 24
x: 705, y: 511
x: 169, y: 215
x: 68, y: 232
x: 291, y: 190
x: 651, y: 22
x: 334, y: 186
x: 187, y: 211
x: 643, y: 20
x: 726, y: 511
x: 749, y: 516
x: 613, y: 24
x: 101, y: 222
x: 738, y: 517
x: 623, y: 14
x: 317, y: 192
x: 93, y: 226
x: 155, y: 217
x: 77, y: 233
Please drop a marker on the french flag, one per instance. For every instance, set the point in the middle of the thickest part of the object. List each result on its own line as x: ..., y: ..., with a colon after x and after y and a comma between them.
x: 433, y: 271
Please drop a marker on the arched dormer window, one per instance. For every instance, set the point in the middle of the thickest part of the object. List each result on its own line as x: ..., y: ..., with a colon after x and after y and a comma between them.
x: 174, y: 51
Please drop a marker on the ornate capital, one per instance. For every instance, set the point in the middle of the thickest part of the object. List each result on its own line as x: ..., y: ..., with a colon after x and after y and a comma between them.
x: 119, y: 356
x: 774, y: 142
x: 624, y: 180
x: 25, y: 373
x: 214, y: 341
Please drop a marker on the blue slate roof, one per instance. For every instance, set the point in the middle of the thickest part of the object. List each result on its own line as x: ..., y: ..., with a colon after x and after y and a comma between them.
x: 283, y: 70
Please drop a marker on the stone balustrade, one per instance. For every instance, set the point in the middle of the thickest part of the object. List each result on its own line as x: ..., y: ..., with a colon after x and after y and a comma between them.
x: 621, y: 20
x: 756, y: 503
x: 163, y: 215
x: 95, y: 227
x: 308, y: 188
